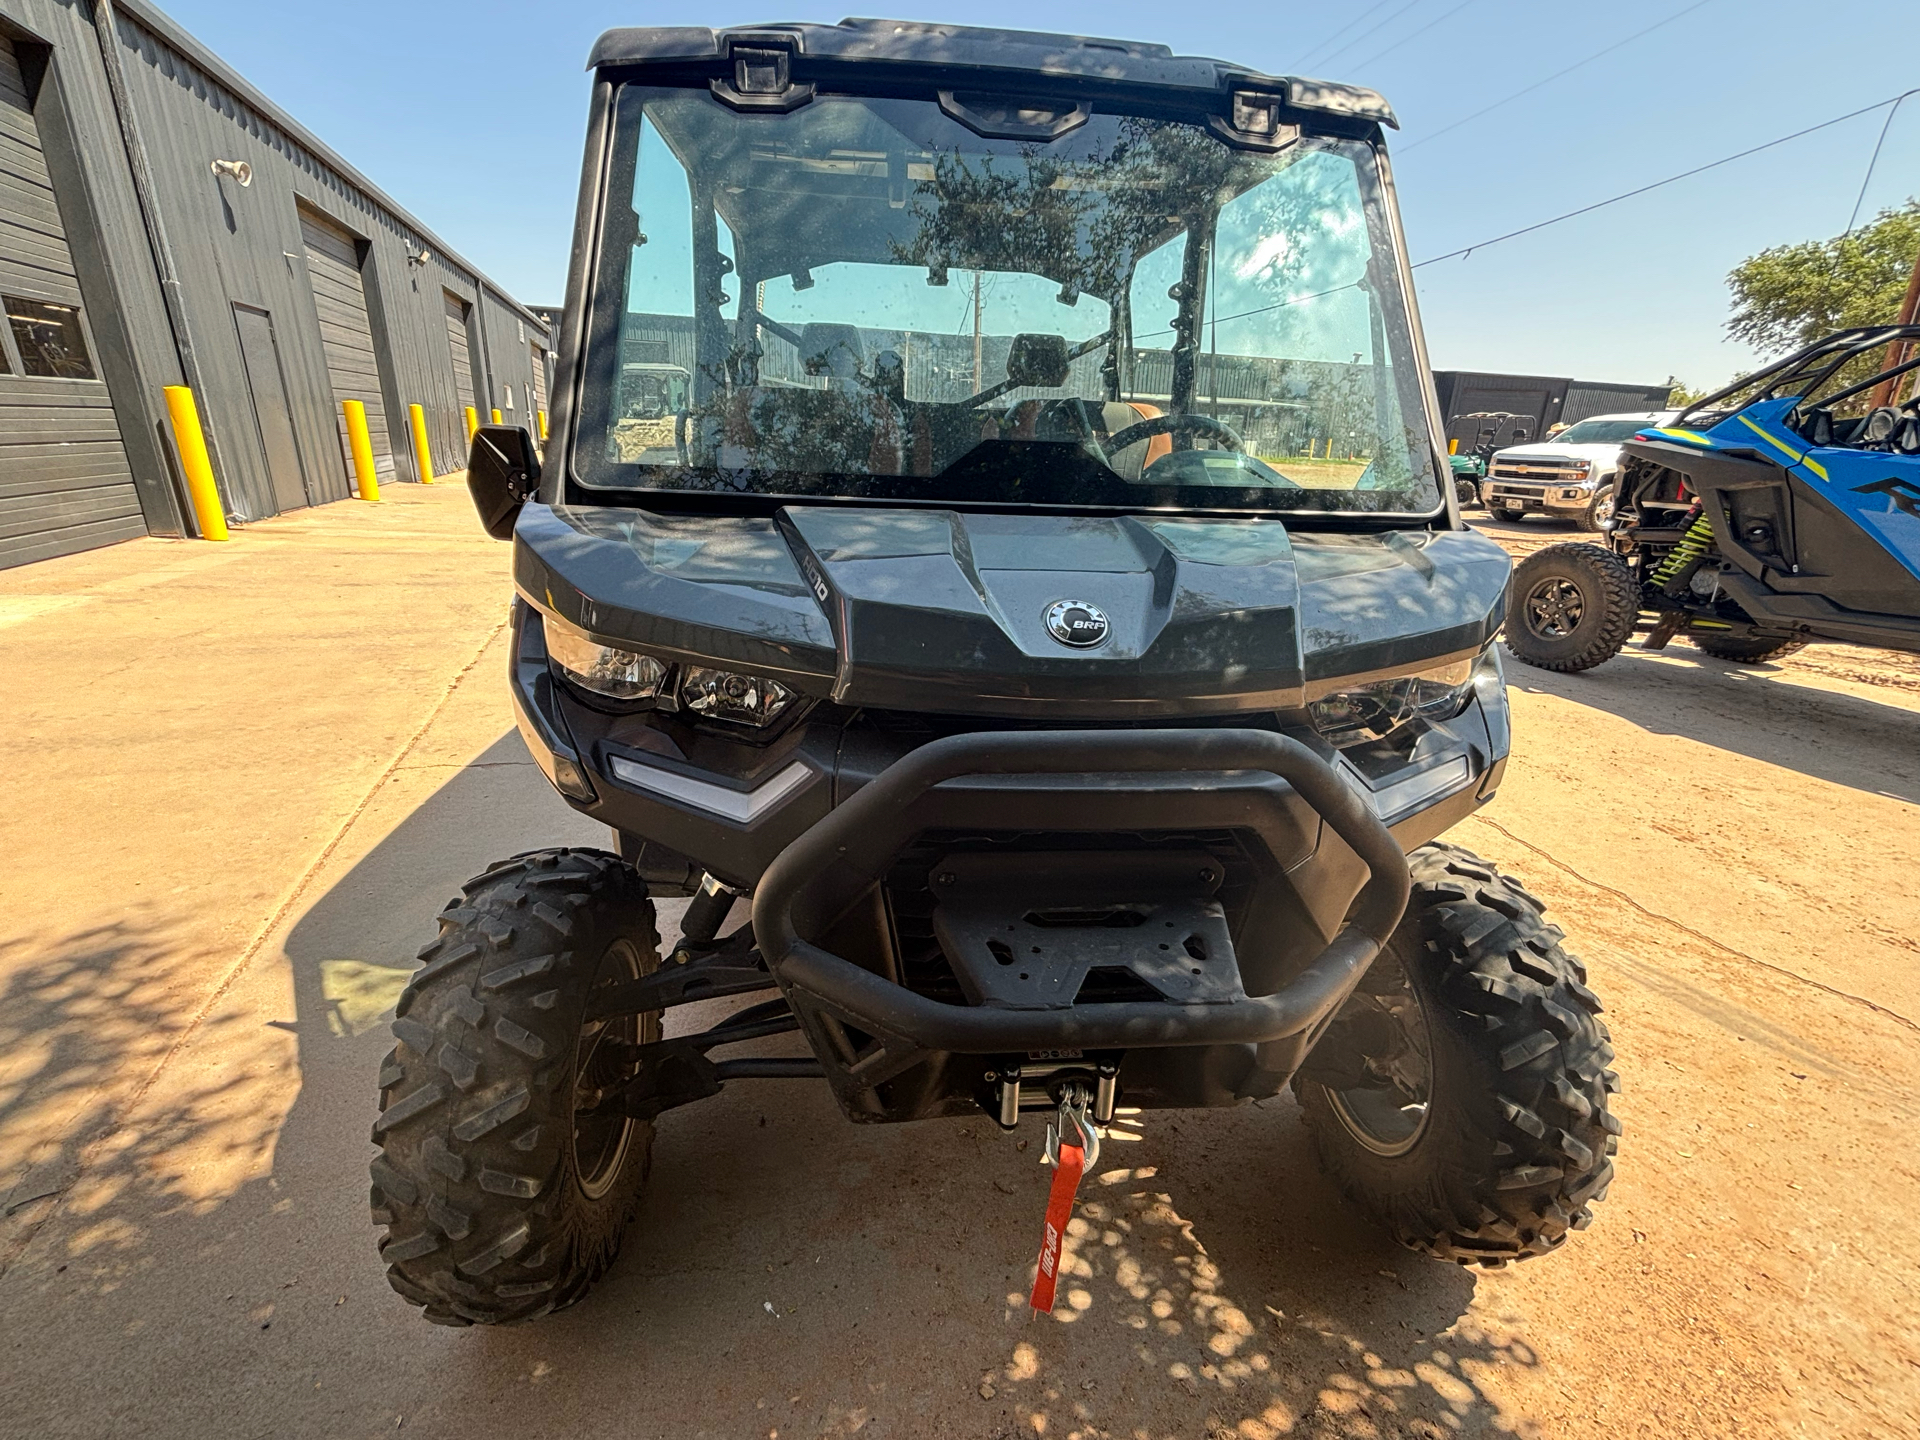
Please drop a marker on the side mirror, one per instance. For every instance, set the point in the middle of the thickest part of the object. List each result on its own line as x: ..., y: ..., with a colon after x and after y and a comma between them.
x: 1040, y: 361
x: 503, y: 470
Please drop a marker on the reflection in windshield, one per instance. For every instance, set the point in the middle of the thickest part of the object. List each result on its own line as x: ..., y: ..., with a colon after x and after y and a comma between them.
x: 1601, y: 432
x: 864, y: 297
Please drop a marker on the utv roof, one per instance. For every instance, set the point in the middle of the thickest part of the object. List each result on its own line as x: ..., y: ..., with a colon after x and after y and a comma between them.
x: 963, y: 47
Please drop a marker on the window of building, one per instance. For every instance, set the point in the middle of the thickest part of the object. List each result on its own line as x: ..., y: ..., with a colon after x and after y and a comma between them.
x: 49, y: 338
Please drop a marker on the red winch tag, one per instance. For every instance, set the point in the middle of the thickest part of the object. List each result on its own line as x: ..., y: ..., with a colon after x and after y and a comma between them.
x: 1066, y: 1184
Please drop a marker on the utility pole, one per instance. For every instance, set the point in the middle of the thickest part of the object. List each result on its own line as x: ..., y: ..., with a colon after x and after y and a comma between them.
x: 1883, y: 393
x: 977, y: 386
x: 1213, y: 347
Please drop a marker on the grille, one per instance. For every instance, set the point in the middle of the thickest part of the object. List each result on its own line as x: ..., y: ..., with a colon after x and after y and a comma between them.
x: 1544, y: 474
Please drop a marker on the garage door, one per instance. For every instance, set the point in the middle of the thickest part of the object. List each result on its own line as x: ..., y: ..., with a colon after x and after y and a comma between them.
x: 64, y: 481
x: 333, y: 260
x: 539, y: 384
x: 457, y: 343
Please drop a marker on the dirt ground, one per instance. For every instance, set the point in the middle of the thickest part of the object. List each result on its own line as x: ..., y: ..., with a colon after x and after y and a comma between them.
x: 197, y: 955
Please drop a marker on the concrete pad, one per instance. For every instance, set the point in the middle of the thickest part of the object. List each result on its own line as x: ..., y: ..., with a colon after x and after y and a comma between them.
x: 211, y: 1270
x: 186, y: 727
x: 1760, y: 804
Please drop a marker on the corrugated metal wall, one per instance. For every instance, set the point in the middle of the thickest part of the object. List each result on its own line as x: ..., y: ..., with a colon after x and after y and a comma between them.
x: 1585, y: 398
x: 247, y: 247
x: 257, y: 256
x: 64, y: 480
x: 1548, y: 399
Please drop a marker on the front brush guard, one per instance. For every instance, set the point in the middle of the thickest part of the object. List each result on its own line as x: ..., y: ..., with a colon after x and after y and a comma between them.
x: 868, y: 1030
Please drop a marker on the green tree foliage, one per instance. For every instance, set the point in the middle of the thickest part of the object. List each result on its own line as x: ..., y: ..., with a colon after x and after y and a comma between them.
x: 1792, y: 295
x: 1680, y: 394
x: 1084, y: 222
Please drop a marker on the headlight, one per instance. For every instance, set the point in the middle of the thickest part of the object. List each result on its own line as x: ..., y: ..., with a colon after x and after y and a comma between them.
x: 726, y: 695
x: 1373, y: 711
x: 1581, y: 467
x: 616, y: 674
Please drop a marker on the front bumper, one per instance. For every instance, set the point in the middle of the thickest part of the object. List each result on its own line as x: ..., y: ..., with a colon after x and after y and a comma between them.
x: 1573, y: 496
x: 870, y: 1031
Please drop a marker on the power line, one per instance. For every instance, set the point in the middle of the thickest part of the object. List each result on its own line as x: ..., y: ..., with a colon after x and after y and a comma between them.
x: 1558, y: 74
x: 1571, y: 214
x: 1867, y: 179
x: 1329, y: 59
x: 1671, y: 179
x: 1264, y: 309
x: 1307, y: 59
x: 1360, y: 65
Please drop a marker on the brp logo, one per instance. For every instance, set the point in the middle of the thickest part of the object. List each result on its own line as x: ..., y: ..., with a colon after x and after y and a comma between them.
x: 1076, y: 623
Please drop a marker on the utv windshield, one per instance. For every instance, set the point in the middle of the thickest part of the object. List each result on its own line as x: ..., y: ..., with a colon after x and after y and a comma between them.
x: 868, y: 299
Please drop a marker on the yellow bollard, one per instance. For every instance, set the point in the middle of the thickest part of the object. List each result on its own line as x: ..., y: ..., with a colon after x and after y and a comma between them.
x: 473, y: 423
x: 362, y: 446
x: 496, y: 415
x: 422, y: 452
x: 201, y: 490
x: 1453, y: 447
x: 543, y: 425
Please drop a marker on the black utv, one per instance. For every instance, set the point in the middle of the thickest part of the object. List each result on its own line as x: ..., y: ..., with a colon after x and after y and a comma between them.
x: 1066, y: 746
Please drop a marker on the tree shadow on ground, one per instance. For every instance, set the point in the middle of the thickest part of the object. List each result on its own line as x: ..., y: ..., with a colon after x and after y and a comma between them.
x: 85, y: 1020
x: 1214, y: 1284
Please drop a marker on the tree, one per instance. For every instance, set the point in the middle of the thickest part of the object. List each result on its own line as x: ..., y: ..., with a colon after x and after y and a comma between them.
x: 1680, y: 394
x: 1792, y: 295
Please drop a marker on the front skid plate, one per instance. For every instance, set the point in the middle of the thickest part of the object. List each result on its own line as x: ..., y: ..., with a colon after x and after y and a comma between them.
x: 1025, y: 932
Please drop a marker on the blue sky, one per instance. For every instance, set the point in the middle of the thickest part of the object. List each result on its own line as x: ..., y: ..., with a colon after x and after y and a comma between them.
x: 471, y: 115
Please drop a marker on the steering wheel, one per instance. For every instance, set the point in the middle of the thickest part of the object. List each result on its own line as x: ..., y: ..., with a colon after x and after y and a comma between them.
x: 1176, y: 424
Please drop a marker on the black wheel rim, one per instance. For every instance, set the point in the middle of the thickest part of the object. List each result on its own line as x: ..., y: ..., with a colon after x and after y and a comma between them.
x: 1554, y: 608
x: 602, y: 1136
x: 1386, y: 1092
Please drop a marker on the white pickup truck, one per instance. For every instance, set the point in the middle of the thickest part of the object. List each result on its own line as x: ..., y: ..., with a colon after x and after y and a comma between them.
x: 1570, y: 475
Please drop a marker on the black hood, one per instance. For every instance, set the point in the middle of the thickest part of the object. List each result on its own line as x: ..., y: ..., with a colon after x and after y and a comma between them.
x: 947, y: 612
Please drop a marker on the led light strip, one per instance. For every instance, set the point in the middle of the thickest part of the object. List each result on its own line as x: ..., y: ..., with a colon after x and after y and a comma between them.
x: 741, y: 807
x: 1391, y: 801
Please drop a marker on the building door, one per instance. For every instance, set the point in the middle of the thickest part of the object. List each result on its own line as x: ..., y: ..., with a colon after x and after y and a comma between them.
x: 539, y: 388
x: 346, y: 335
x: 463, y: 390
x: 271, y: 410
x: 65, y: 484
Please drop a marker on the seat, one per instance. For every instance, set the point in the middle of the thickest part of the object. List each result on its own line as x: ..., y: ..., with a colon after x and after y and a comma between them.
x: 1118, y: 415
x: 835, y: 351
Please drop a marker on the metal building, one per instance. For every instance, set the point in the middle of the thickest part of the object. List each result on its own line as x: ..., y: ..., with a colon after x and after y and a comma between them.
x: 163, y: 223
x: 1534, y: 402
